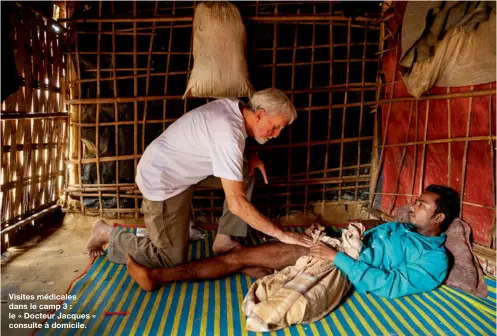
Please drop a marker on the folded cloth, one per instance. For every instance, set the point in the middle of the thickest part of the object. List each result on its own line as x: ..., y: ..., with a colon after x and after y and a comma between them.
x: 426, y: 22
x: 305, y: 292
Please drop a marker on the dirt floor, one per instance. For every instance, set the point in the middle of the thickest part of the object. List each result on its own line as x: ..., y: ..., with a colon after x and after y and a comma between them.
x: 45, y: 264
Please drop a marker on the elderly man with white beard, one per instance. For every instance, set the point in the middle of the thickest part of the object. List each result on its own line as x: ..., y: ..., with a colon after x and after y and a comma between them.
x: 204, y: 147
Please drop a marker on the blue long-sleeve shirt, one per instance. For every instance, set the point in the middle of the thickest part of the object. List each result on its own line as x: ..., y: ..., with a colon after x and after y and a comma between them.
x: 396, y: 261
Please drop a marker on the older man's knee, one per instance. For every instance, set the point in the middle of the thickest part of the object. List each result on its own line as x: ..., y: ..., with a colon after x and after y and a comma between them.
x: 176, y: 256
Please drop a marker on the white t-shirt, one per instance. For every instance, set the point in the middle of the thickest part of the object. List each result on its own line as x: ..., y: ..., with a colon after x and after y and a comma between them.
x: 208, y: 140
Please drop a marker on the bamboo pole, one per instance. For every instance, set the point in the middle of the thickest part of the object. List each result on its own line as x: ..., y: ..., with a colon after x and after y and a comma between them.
x: 428, y: 142
x: 401, y: 164
x: 330, y: 110
x: 465, y: 157
x: 319, y: 46
x: 274, y: 183
x: 135, y: 105
x: 452, y: 95
x: 147, y: 85
x: 370, y: 103
x: 32, y: 115
x: 415, y: 151
x: 292, y: 86
x: 276, y: 18
x: 97, y: 111
x: 423, y: 155
x: 79, y: 139
x: 28, y: 220
x: 116, y: 111
x: 492, y: 160
x: 167, y: 70
x: 295, y: 145
x: 382, y: 155
x: 361, y: 110
x: 309, y: 116
x: 349, y: 60
x: 132, y: 186
x: 449, y: 135
x: 344, y: 111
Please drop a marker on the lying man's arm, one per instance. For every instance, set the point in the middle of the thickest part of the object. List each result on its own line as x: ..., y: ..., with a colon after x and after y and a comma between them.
x: 421, y: 275
x: 241, y: 207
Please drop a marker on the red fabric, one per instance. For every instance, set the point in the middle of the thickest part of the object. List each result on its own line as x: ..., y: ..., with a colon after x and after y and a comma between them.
x: 479, y: 180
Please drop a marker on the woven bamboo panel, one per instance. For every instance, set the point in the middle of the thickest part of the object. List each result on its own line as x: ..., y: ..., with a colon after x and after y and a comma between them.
x: 34, y: 120
x: 131, y: 63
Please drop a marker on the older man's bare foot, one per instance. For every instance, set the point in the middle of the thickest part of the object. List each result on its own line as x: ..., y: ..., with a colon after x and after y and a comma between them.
x: 99, y: 236
x: 223, y: 243
x: 141, y: 274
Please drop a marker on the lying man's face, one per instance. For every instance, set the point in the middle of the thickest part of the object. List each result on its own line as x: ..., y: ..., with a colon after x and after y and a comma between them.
x: 422, y: 214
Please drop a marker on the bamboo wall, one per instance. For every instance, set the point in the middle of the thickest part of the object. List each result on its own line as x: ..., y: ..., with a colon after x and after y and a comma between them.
x: 129, y: 68
x: 33, y: 122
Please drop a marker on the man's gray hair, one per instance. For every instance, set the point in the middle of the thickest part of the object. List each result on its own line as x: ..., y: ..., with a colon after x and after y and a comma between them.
x: 274, y: 102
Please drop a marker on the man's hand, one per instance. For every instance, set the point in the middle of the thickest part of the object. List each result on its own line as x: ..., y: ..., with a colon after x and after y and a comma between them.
x: 294, y: 239
x: 323, y: 251
x: 255, y: 162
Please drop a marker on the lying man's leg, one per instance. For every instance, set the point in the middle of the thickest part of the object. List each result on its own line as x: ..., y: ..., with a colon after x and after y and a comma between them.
x: 274, y: 256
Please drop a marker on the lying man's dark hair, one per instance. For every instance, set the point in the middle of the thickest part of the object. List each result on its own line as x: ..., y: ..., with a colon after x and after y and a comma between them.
x: 447, y: 203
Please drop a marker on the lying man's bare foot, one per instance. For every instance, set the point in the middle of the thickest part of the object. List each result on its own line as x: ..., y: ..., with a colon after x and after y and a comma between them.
x: 223, y: 243
x: 253, y: 272
x: 256, y: 272
x: 99, y: 236
x: 141, y: 274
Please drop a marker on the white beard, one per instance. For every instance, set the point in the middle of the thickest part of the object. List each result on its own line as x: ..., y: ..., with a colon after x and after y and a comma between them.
x: 261, y: 141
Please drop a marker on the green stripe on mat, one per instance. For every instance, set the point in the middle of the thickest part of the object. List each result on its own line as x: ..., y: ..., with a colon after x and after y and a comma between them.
x: 214, y: 308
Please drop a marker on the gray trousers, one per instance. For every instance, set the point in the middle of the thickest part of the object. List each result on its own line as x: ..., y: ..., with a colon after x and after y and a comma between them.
x: 168, y: 226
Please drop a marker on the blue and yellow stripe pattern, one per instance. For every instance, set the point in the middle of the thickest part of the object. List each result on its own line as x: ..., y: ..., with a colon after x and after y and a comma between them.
x: 214, y: 308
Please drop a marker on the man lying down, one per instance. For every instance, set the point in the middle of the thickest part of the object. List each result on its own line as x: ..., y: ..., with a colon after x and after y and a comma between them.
x: 395, y: 259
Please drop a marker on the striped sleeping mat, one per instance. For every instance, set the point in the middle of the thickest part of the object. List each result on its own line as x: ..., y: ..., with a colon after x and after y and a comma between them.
x: 214, y: 308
